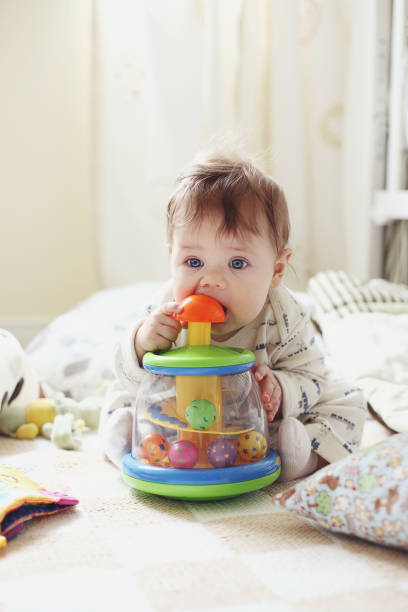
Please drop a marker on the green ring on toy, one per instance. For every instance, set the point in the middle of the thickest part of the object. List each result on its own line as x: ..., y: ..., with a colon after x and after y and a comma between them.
x: 200, y: 492
x: 195, y: 357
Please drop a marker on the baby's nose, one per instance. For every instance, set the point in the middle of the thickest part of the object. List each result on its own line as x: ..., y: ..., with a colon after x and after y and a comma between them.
x: 213, y: 279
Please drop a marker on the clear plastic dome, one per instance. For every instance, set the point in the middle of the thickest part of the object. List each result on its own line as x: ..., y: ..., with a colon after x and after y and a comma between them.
x: 211, y: 421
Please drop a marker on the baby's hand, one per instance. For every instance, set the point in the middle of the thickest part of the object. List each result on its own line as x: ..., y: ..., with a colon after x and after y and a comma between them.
x: 158, y: 331
x: 270, y: 389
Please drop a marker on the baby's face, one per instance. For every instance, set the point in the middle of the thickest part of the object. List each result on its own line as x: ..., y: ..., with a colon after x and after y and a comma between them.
x: 237, y: 272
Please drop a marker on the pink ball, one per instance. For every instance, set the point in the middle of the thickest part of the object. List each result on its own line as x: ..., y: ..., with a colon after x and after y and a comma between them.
x: 183, y: 454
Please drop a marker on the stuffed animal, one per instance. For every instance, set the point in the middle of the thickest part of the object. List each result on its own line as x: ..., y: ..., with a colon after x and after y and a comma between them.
x: 18, y: 383
x: 25, y: 415
x: 60, y: 419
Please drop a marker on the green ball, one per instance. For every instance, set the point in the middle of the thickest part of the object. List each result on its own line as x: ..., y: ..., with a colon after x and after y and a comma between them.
x: 201, y: 414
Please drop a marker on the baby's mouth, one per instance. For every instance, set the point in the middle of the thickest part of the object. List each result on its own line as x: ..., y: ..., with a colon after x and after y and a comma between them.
x: 225, y: 309
x: 215, y: 326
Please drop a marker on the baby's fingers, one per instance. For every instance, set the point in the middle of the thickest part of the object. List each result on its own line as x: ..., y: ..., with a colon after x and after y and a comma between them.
x: 267, y: 381
x: 169, y: 308
x: 162, y: 316
x: 271, y: 411
x: 167, y: 331
x: 260, y: 370
x: 269, y: 388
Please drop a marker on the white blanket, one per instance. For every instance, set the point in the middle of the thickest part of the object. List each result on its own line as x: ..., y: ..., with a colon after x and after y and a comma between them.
x: 372, y: 349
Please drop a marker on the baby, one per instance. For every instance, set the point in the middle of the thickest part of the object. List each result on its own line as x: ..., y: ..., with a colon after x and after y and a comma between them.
x: 228, y: 229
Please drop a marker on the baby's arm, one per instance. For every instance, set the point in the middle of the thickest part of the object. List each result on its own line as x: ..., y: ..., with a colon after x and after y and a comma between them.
x: 300, y: 368
x: 128, y: 356
x: 297, y: 373
x: 117, y: 412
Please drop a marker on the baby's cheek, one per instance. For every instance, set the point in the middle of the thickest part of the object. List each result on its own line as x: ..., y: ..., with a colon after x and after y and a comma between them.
x: 242, y: 316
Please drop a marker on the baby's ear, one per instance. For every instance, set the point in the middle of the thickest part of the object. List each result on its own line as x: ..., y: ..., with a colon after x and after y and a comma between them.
x: 281, y: 264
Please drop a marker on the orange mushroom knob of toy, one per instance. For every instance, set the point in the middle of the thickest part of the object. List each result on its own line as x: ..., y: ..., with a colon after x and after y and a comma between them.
x: 199, y: 311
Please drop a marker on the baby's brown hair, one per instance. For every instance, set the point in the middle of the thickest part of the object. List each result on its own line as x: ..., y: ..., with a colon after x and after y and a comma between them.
x: 234, y: 187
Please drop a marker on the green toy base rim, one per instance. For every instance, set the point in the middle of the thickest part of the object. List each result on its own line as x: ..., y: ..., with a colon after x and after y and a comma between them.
x: 193, y: 357
x: 200, y: 492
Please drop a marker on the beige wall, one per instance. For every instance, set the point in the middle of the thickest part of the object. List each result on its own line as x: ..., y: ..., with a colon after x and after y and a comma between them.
x: 47, y: 246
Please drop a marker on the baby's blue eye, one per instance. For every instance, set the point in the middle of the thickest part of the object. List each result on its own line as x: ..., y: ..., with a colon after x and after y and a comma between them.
x: 194, y: 262
x: 238, y: 264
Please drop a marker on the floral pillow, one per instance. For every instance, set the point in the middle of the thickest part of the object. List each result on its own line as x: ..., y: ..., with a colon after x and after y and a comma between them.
x: 364, y: 495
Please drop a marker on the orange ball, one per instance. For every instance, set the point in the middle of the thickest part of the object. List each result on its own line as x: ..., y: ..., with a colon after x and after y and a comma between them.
x: 154, y: 448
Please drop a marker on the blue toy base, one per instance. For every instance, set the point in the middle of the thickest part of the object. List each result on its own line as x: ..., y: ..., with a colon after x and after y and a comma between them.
x: 201, y: 484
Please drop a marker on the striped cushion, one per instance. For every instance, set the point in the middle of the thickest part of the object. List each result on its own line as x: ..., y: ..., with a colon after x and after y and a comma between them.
x: 337, y: 295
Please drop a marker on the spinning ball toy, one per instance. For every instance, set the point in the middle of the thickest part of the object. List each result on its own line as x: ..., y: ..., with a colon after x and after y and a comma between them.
x: 200, y: 431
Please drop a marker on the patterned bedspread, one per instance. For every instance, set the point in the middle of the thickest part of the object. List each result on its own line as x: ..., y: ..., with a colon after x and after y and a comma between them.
x: 122, y: 548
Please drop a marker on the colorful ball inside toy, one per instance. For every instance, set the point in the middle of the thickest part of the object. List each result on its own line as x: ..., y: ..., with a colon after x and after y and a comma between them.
x: 222, y: 452
x: 183, y: 454
x: 251, y: 446
x: 154, y: 448
x: 201, y: 413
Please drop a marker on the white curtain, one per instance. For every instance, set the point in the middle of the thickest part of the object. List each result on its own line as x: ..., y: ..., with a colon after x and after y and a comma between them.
x: 290, y: 81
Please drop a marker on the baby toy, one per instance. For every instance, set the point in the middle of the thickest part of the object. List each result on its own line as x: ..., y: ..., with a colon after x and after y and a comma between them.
x: 200, y: 430
x: 60, y: 419
x: 24, y: 415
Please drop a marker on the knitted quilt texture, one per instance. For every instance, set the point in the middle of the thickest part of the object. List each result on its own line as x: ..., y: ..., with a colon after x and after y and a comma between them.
x: 241, y: 554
